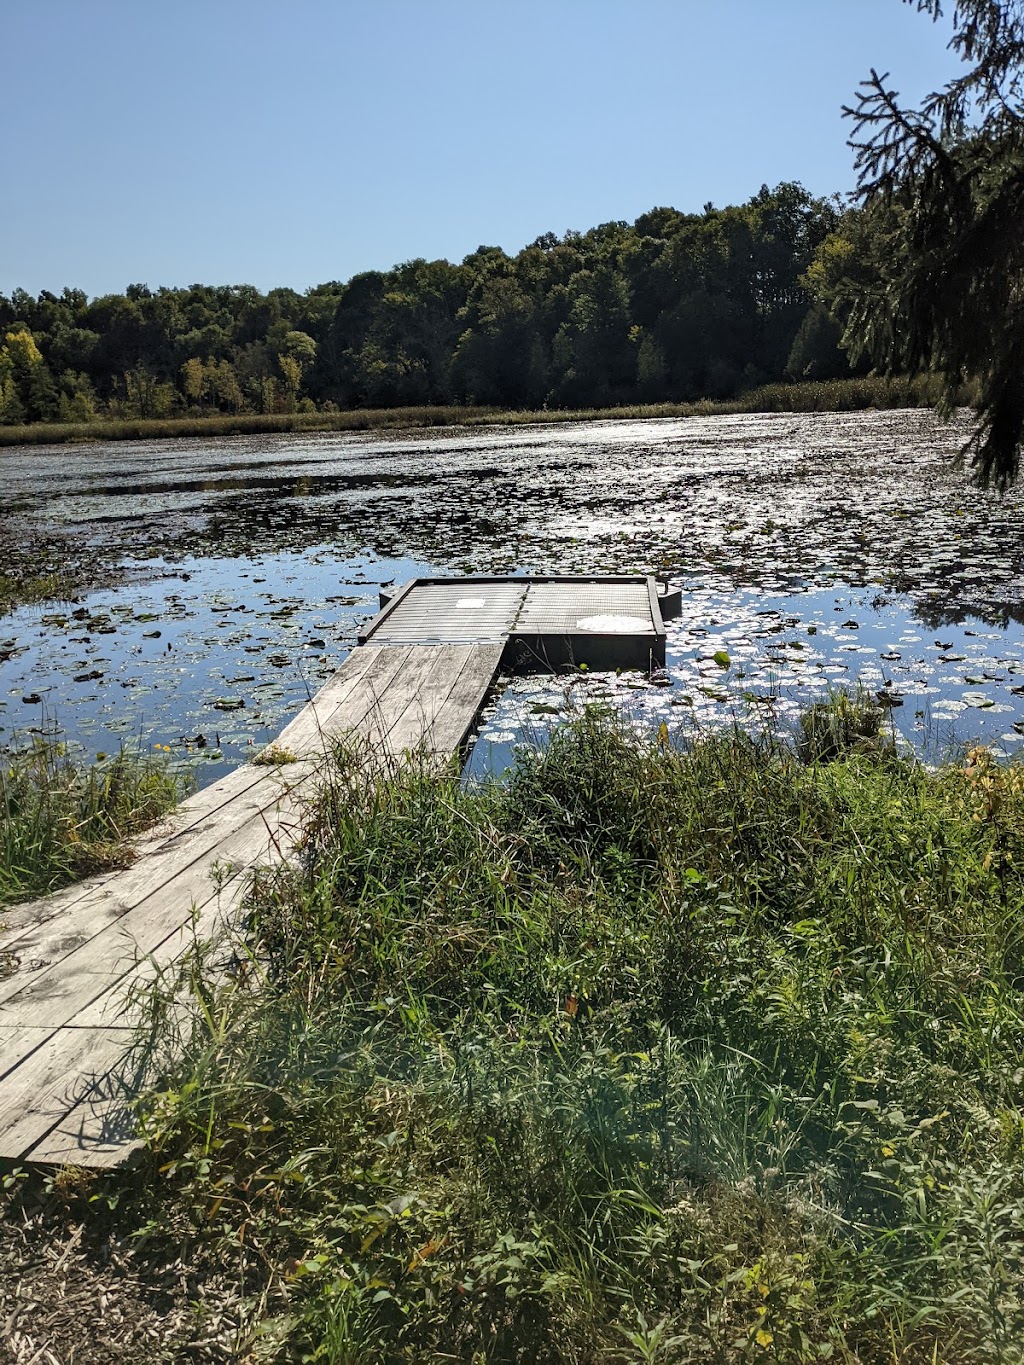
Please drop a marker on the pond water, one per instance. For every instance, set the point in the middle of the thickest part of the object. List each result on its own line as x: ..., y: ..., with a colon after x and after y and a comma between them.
x: 220, y: 582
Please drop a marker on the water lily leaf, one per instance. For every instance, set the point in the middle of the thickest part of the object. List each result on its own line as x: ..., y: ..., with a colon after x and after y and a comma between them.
x: 713, y: 694
x: 721, y: 658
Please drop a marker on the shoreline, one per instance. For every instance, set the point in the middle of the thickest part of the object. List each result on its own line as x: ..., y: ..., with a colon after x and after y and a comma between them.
x: 842, y: 395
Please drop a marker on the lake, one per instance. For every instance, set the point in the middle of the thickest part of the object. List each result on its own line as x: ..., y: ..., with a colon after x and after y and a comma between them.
x: 223, y: 580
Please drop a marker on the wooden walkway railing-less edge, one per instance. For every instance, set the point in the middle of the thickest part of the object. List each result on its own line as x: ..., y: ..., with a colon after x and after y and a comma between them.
x: 65, y: 1067
x: 416, y: 684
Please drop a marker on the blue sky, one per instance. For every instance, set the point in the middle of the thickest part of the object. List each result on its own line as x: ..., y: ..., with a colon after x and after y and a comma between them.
x: 231, y: 141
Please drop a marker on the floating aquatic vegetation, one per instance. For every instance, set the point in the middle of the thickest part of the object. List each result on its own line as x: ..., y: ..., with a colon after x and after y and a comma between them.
x: 814, y: 550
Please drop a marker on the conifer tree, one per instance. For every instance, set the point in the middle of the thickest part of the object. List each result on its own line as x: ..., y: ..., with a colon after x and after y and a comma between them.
x: 945, y: 186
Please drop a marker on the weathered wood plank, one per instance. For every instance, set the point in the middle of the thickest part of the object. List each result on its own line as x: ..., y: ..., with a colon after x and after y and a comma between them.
x: 303, y: 734
x: 421, y: 665
x: 56, y: 1076
x: 18, y: 1041
x: 410, y: 731
x: 161, y: 924
x: 51, y: 999
x: 62, y: 1088
x: 164, y: 915
x: 99, y: 1131
x: 455, y: 718
x: 184, y: 863
x: 196, y: 815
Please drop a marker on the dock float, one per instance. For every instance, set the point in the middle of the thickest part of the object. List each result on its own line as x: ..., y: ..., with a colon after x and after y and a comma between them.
x: 415, y: 686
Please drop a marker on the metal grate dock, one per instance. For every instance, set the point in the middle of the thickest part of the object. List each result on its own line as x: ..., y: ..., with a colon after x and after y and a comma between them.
x: 545, y: 623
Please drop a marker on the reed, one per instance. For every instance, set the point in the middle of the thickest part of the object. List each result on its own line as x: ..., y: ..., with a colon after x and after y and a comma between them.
x: 837, y: 395
x: 61, y: 821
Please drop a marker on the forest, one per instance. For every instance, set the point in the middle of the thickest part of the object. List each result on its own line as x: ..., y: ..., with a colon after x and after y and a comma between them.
x: 674, y: 307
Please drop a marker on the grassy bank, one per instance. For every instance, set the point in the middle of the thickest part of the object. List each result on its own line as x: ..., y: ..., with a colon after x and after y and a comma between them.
x: 645, y: 1055
x: 840, y: 395
x: 60, y: 821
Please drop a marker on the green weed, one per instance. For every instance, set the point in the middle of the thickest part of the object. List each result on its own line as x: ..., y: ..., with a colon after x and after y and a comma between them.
x: 60, y: 821
x: 650, y: 1052
x: 15, y: 592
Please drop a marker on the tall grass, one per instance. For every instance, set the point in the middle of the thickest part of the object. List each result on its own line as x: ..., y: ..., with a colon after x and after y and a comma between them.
x: 60, y: 821
x: 19, y: 591
x: 648, y: 1053
x: 836, y: 395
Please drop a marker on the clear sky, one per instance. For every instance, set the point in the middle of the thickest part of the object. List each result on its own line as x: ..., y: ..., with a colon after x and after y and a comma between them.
x: 289, y: 143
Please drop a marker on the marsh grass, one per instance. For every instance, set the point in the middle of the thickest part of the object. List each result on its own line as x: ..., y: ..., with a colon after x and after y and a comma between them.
x: 22, y: 591
x: 836, y: 395
x: 845, y: 722
x: 61, y: 821
x: 649, y: 1052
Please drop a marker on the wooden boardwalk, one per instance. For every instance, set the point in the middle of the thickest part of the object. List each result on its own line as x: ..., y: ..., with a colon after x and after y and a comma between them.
x: 69, y: 960
x: 416, y: 684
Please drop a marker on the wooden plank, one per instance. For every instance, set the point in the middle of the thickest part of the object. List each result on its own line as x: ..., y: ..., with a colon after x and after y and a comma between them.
x: 303, y: 731
x: 462, y: 706
x: 98, y: 1132
x: 17, y: 1041
x: 16, y: 919
x: 316, y: 726
x: 197, y: 814
x: 65, y: 986
x: 64, y: 1070
x: 77, y: 961
x: 68, y: 982
x: 185, y: 855
x: 381, y: 717
x: 410, y: 732
x: 192, y: 816
x: 112, y: 1007
x: 62, y: 1086
x: 52, y: 998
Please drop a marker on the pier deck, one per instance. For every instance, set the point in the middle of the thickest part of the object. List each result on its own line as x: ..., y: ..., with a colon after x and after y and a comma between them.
x: 416, y: 684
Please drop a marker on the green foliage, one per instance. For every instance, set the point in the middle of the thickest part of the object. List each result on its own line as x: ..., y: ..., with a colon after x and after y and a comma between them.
x: 60, y: 822
x: 816, y: 352
x: 42, y: 588
x: 676, y: 306
x: 844, y: 724
x: 839, y: 395
x: 648, y: 1053
x: 943, y: 192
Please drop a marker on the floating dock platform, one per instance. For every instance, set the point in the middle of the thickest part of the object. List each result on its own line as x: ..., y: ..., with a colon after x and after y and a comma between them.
x: 416, y: 684
x: 546, y: 624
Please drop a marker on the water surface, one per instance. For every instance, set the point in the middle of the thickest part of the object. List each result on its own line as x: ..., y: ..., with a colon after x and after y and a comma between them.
x: 222, y: 581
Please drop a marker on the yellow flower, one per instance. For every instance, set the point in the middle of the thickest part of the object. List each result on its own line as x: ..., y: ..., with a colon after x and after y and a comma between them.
x: 764, y: 1337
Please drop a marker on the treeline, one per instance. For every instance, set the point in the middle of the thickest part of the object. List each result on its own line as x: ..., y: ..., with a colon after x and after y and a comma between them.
x: 671, y: 308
